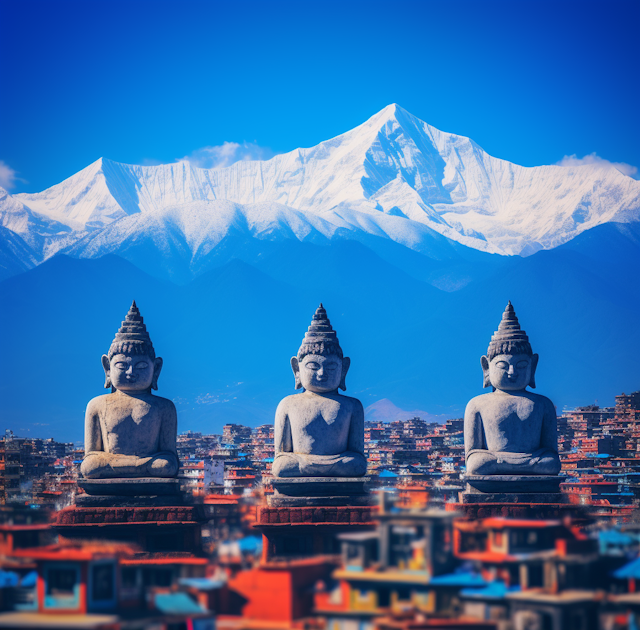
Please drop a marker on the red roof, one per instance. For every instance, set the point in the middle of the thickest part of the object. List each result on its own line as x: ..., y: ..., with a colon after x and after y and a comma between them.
x: 499, y: 523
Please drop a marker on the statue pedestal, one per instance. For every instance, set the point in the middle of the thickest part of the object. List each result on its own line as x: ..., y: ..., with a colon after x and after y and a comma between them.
x: 129, y: 492
x: 154, y: 527
x: 521, y: 484
x: 319, y: 491
x: 514, y: 496
x: 304, y: 532
x: 131, y: 486
x: 151, y: 512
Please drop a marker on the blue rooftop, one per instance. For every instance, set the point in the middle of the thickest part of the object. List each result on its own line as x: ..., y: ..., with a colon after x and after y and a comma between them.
x: 202, y: 584
x: 631, y: 570
x: 250, y: 544
x: 177, y: 604
x: 615, y: 537
x: 463, y: 578
x: 493, y: 590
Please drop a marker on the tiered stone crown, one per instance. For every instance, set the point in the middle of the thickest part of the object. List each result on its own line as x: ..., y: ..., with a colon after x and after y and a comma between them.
x: 320, y: 337
x: 509, y: 338
x: 132, y: 334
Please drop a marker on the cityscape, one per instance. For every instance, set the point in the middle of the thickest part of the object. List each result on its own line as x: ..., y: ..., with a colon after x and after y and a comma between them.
x: 418, y: 559
x: 319, y: 315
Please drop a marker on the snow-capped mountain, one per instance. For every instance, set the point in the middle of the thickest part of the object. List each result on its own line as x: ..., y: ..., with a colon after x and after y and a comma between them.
x: 393, y: 176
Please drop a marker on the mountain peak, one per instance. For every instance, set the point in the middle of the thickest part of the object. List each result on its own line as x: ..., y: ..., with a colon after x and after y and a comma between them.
x: 393, y: 176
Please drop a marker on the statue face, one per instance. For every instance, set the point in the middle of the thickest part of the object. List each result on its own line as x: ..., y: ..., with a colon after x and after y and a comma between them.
x: 511, y: 372
x: 320, y: 374
x: 131, y: 372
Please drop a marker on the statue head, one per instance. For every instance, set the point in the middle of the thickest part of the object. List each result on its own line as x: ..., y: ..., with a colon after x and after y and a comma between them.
x: 131, y: 364
x: 320, y: 365
x: 509, y: 364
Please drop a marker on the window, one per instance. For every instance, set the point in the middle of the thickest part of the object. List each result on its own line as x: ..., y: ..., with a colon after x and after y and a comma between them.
x: 129, y: 577
x: 157, y: 577
x: 102, y: 582
x: 61, y: 582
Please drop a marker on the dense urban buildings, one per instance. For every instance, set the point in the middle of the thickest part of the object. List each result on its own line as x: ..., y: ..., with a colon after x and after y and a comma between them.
x: 419, y: 564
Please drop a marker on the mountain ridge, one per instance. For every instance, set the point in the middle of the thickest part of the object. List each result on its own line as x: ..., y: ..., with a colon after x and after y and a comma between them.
x: 394, y: 175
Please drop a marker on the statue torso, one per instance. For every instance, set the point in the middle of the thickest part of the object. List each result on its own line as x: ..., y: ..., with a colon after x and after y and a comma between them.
x: 511, y: 422
x: 131, y: 424
x: 319, y: 424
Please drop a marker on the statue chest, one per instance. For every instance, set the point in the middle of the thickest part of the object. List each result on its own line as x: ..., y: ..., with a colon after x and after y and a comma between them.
x: 131, y: 425
x: 325, y: 427
x: 514, y: 424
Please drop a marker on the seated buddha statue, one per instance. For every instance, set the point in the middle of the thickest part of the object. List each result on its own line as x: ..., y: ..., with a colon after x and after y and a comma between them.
x: 510, y: 431
x: 130, y: 432
x: 319, y: 432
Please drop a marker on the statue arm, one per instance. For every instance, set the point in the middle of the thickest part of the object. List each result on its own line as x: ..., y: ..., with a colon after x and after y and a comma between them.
x: 356, y: 429
x: 549, y: 437
x: 169, y: 430
x: 473, y: 434
x: 92, y: 430
x: 283, y: 438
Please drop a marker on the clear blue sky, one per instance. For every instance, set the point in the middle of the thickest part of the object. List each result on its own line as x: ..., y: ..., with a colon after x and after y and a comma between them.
x: 142, y: 81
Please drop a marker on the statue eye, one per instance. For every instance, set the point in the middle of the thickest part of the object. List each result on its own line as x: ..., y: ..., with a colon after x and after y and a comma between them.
x: 142, y: 366
x: 122, y: 366
x: 522, y: 364
x: 312, y: 366
x: 502, y: 365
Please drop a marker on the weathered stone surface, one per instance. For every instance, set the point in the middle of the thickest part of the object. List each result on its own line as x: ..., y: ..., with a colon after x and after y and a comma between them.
x: 123, y: 500
x: 347, y: 499
x: 303, y: 516
x: 319, y: 433
x: 522, y: 484
x: 121, y: 516
x: 310, y: 491
x: 510, y: 431
x: 130, y: 486
x: 130, y: 432
x: 514, y: 497
x: 319, y: 486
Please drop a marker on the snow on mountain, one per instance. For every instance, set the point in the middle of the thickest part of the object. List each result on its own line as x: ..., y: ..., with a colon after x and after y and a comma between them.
x: 183, y: 239
x: 394, y: 176
x: 40, y: 236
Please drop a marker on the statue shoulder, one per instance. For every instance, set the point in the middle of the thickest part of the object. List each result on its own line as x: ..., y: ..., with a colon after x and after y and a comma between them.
x: 164, y: 403
x: 353, y: 403
x: 542, y: 400
x: 477, y: 403
x: 97, y: 404
x: 286, y: 402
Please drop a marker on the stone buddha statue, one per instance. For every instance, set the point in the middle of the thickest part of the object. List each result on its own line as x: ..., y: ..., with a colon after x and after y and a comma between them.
x: 510, y: 431
x: 130, y: 432
x: 319, y: 432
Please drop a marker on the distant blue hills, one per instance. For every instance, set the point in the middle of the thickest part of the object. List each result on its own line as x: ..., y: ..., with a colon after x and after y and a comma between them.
x: 414, y: 324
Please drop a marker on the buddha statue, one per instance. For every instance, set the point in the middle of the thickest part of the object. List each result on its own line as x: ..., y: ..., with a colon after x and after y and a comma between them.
x: 510, y: 431
x: 130, y: 432
x: 319, y: 432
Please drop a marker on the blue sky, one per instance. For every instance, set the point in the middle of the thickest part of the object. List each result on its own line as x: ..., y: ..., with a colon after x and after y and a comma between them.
x: 150, y: 82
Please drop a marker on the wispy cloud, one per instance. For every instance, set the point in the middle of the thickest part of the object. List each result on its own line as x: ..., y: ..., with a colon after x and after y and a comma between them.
x: 227, y: 154
x: 9, y: 177
x: 592, y: 158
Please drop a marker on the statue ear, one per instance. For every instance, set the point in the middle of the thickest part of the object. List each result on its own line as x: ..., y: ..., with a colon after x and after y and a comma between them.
x: 157, y: 368
x: 295, y: 366
x: 346, y: 363
x: 106, y: 366
x: 484, y: 362
x: 534, y: 365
